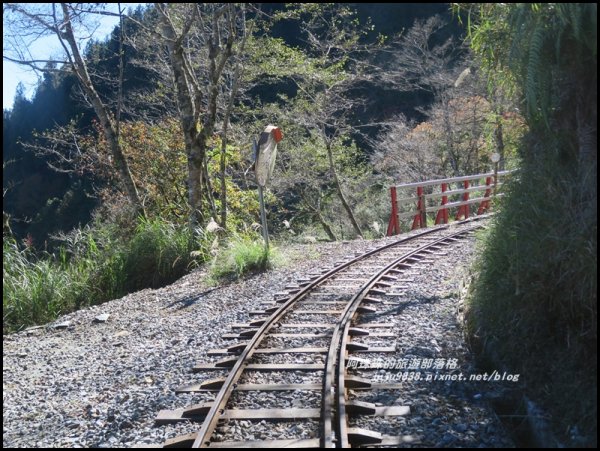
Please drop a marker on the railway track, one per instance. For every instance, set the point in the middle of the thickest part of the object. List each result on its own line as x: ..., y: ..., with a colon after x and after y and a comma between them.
x: 312, y: 331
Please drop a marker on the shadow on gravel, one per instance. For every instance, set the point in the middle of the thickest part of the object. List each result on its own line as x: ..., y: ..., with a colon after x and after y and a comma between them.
x: 404, y: 305
x: 188, y: 301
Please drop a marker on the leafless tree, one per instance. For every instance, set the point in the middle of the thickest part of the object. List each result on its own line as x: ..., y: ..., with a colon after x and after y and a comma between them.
x: 302, y: 172
x: 407, y: 153
x: 70, y: 23
x: 324, y: 103
x: 449, y: 141
x: 417, y: 61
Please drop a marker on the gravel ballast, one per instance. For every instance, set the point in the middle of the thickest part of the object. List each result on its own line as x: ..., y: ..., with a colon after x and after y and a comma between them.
x: 100, y: 383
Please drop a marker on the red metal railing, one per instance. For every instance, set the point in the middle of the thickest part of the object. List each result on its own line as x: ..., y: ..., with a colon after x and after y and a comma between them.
x: 426, y: 202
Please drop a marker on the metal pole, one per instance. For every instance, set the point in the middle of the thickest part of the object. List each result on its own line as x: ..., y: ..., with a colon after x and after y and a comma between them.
x: 263, y: 216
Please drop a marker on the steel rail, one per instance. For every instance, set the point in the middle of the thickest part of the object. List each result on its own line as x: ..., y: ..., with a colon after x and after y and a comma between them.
x: 335, y: 368
x: 202, y: 439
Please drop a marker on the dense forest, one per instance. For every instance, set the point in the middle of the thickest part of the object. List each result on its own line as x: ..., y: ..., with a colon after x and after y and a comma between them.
x: 131, y: 163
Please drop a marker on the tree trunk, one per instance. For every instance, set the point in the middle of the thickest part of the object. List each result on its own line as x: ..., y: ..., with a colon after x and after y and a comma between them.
x: 107, y: 124
x: 189, y: 98
x: 188, y: 116
x: 209, y: 193
x: 326, y: 226
x: 234, y: 90
x: 195, y: 183
x: 222, y: 166
x: 340, y: 192
x: 499, y: 138
x: 223, y: 162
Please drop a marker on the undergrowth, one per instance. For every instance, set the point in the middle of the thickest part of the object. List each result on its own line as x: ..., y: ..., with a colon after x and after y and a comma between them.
x: 534, y: 302
x: 243, y: 255
x: 93, y: 265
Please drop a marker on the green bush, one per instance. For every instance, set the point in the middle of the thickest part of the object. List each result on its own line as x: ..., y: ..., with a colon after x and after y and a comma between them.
x: 535, y: 299
x: 35, y: 290
x: 158, y: 254
x: 243, y: 255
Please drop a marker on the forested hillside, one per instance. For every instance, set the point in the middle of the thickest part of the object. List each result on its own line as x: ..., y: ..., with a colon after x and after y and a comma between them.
x: 43, y: 201
x: 132, y: 162
x: 143, y: 140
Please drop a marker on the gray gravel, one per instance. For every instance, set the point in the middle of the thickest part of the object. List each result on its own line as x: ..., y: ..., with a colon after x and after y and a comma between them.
x: 101, y: 384
x: 448, y: 413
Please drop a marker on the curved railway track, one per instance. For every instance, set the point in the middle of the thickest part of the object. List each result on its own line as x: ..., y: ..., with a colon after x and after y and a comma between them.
x: 339, y: 302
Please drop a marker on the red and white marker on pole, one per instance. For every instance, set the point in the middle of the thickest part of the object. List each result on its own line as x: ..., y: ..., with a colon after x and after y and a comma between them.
x: 265, y: 152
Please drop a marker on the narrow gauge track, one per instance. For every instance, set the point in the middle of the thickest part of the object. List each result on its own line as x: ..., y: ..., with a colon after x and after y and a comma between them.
x: 356, y: 285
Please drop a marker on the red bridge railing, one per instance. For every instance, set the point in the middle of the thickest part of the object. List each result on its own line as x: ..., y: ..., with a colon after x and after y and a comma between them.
x: 427, y: 197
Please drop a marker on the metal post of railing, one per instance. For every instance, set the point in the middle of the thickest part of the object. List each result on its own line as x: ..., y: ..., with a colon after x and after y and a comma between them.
x: 485, y: 204
x: 419, y: 217
x: 442, y: 215
x: 464, y: 209
x: 394, y: 224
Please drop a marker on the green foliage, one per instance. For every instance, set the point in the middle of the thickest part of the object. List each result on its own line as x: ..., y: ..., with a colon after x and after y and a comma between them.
x: 158, y: 254
x: 94, y: 265
x: 303, y: 178
x: 531, y: 248
x: 156, y: 154
x: 34, y: 291
x: 528, y: 45
x: 535, y: 299
x: 273, y: 58
x: 513, y: 129
x: 244, y: 254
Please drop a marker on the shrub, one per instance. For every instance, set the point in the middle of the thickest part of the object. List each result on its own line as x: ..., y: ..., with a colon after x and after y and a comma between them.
x: 158, y: 254
x: 244, y: 255
x: 535, y: 299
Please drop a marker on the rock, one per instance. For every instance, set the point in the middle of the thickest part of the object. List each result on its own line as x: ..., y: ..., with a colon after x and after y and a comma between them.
x: 448, y: 439
x: 126, y: 424
x: 101, y: 318
x: 62, y: 325
x: 73, y: 424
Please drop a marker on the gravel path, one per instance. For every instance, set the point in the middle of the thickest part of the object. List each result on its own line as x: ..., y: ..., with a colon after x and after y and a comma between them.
x: 101, y: 384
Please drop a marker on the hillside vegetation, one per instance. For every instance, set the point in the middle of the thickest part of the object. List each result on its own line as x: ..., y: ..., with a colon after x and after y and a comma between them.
x: 534, y: 301
x: 132, y: 165
x: 132, y: 162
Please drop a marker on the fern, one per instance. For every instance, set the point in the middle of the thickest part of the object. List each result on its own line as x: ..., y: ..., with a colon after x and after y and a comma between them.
x: 519, y: 30
x: 535, y: 50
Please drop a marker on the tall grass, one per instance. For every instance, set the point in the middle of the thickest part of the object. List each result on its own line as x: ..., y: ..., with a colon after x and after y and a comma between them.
x: 158, y: 254
x: 35, y: 290
x: 243, y: 255
x: 93, y: 265
x: 535, y: 299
